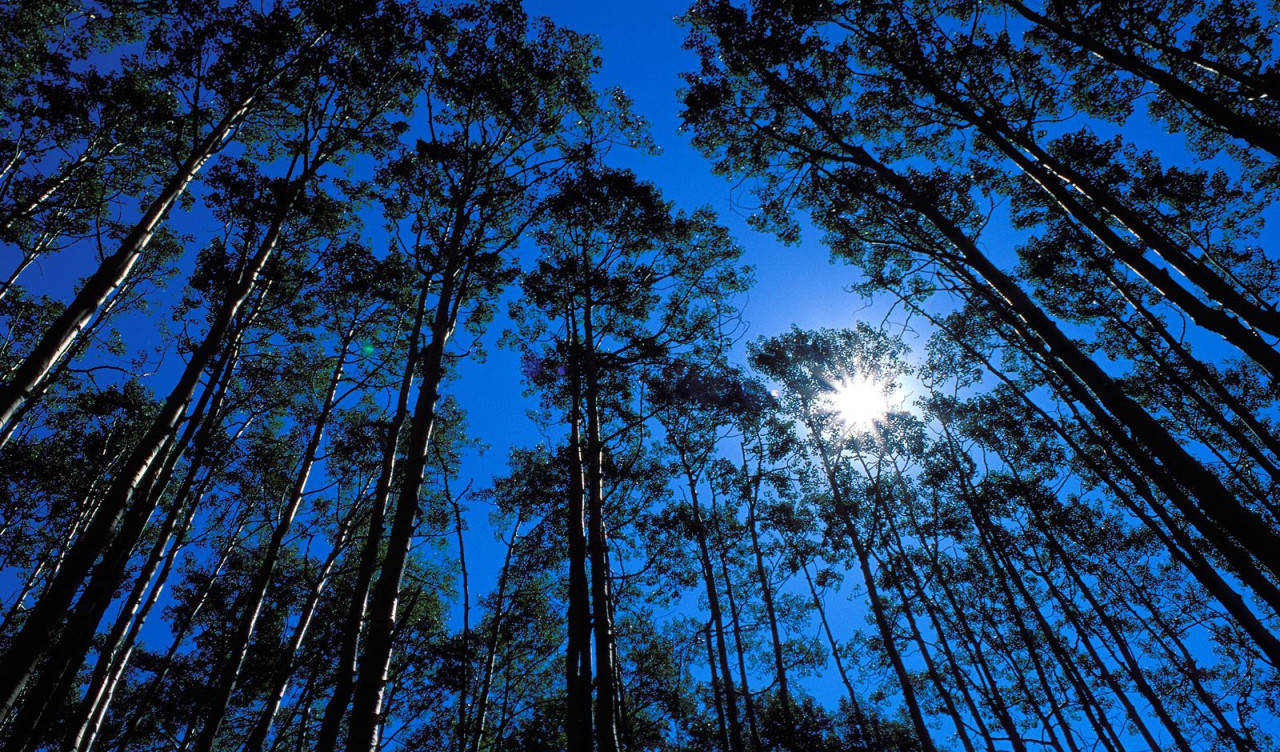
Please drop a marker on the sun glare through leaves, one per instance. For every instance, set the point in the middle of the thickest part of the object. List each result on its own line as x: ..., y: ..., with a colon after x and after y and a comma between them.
x: 859, y: 402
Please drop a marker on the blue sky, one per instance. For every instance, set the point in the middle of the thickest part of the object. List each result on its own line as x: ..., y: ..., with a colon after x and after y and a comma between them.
x: 641, y: 52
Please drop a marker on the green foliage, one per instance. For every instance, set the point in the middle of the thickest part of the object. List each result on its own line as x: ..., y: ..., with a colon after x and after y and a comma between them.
x: 299, y: 219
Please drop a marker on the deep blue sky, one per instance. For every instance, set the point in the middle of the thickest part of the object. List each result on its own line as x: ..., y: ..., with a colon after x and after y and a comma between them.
x: 642, y: 52
x: 641, y: 49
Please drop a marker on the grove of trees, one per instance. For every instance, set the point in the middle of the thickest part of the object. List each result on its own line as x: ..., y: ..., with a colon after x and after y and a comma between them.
x: 252, y: 249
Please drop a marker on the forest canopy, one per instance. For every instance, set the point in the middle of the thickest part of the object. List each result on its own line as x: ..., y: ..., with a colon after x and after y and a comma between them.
x: 255, y: 254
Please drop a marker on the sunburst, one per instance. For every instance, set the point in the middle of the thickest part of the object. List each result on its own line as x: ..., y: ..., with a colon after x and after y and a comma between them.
x: 859, y: 402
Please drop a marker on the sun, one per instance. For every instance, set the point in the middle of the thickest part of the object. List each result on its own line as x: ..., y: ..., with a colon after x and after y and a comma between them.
x: 858, y: 402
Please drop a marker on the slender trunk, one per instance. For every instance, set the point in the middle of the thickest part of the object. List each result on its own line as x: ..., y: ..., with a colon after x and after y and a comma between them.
x: 205, y: 420
x: 375, y: 662
x: 348, y: 654
x: 29, y: 256
x: 114, y: 656
x: 1261, y: 85
x: 748, y: 702
x: 932, y: 608
x: 1035, y: 703
x: 460, y: 734
x: 1236, y: 552
x: 1003, y: 578
x: 775, y: 633
x: 1114, y: 638
x: 1082, y: 636
x: 56, y: 553
x: 716, y: 694
x: 717, y: 618
x: 1262, y: 437
x: 958, y: 675
x: 878, y: 610
x: 1164, y: 527
x: 142, y: 708
x: 885, y: 629
x: 1054, y: 697
x: 606, y: 705
x: 124, y: 512
x: 1229, y: 120
x: 1058, y: 180
x: 279, y: 685
x: 27, y: 379
x: 1165, y: 635
x: 238, y: 647
x: 1216, y: 506
x: 300, y: 708
x: 479, y: 718
x: 59, y: 673
x: 1237, y: 532
x: 578, y: 656
x: 930, y: 666
x: 85, y: 338
x: 858, y: 715
x: 54, y: 183
x: 1011, y: 586
x: 623, y: 720
x: 986, y: 674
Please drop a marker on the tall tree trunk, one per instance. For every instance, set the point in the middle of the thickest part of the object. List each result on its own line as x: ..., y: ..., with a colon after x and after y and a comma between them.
x: 479, y: 717
x: 94, y: 152
x: 238, y: 647
x: 1174, y: 647
x: 27, y: 379
x: 1256, y: 439
x: 607, y: 695
x: 1230, y: 121
x: 180, y: 632
x: 205, y: 420
x: 279, y: 685
x: 349, y: 650
x: 1082, y: 635
x: 59, y: 672
x: 836, y: 658
x: 958, y: 675
x: 717, y: 693
x: 1215, y: 504
x: 113, y: 658
x: 578, y: 723
x: 748, y: 701
x: 931, y: 667
x: 1179, y: 544
x: 1062, y: 183
x: 885, y: 628
x: 1114, y: 638
x: 375, y: 661
x: 30, y: 254
x: 969, y: 639
x: 883, y: 625
x: 85, y: 338
x: 124, y: 512
x: 1011, y: 586
x: 771, y: 613
x: 460, y: 733
x: 717, y: 618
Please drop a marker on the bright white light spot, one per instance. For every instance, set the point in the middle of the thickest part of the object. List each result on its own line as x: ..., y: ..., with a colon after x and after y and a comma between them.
x: 859, y: 402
